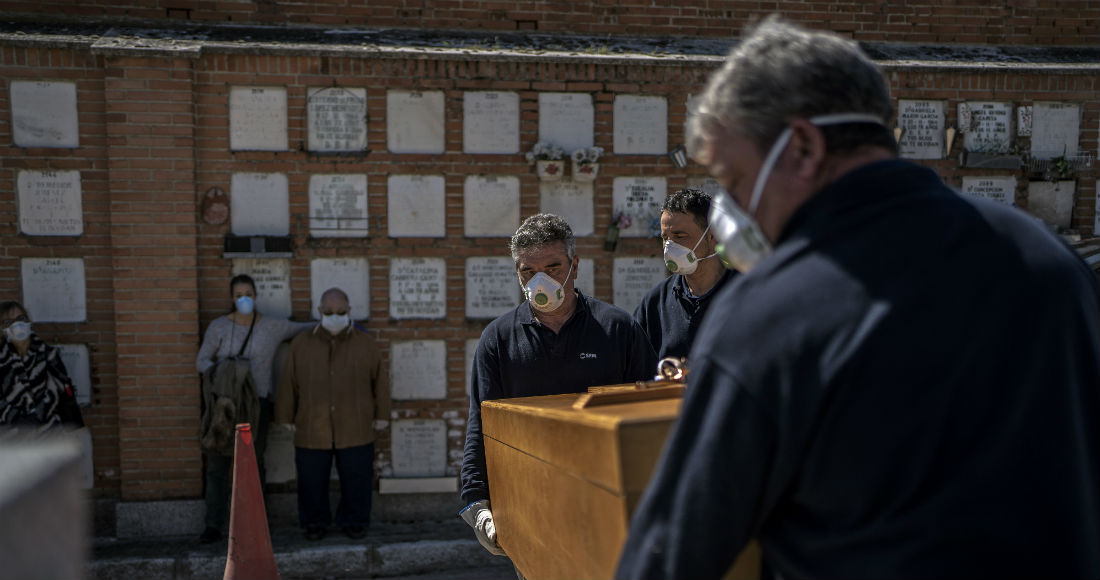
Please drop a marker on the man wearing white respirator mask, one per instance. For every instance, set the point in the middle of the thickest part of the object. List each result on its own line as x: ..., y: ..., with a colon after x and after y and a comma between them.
x: 557, y: 341
x: 902, y: 384
x: 672, y: 311
x: 334, y: 393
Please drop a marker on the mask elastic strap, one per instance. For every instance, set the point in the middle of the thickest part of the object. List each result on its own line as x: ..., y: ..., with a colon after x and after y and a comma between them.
x: 701, y: 236
x: 785, y: 136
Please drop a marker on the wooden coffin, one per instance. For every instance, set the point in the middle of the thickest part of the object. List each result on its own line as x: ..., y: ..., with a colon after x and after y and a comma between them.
x: 566, y: 471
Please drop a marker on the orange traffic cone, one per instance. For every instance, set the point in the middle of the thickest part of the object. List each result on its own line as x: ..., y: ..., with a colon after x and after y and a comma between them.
x: 250, y: 555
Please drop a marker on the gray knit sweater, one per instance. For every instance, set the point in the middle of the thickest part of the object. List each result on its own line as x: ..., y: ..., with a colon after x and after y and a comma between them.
x: 223, y: 338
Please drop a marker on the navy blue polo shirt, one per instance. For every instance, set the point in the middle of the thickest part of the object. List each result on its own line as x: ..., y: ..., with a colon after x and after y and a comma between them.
x: 671, y: 315
x: 911, y: 390
x: 518, y: 356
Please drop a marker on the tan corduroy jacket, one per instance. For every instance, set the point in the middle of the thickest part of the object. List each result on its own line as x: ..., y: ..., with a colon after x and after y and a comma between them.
x: 332, y: 388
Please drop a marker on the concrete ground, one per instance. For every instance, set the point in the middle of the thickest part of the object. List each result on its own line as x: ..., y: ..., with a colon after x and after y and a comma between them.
x: 428, y: 549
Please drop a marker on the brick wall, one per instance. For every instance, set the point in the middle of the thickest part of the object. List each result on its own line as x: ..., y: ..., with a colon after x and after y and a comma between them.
x: 1017, y: 22
x: 154, y: 138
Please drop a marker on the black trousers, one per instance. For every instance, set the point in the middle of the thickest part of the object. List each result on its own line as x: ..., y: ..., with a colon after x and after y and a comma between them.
x: 219, y: 471
x: 354, y: 465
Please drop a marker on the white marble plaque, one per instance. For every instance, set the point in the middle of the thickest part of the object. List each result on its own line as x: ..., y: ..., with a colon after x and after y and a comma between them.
x: 987, y: 126
x: 471, y: 348
x: 998, y: 188
x: 352, y: 275
x: 50, y: 203
x: 641, y: 199
x: 415, y: 122
x: 567, y: 120
x: 337, y: 119
x: 338, y: 206
x: 1024, y: 114
x: 923, y: 124
x: 492, y: 287
x: 257, y: 119
x: 707, y: 185
x: 259, y: 204
x: 43, y: 114
x: 490, y: 205
x: 79, y: 368
x: 640, y: 125
x: 490, y: 122
x: 1052, y: 202
x: 54, y: 289
x: 419, y: 448
x: 1055, y: 130
x: 272, y: 277
x: 586, y: 277
x: 572, y: 200
x: 419, y: 369
x: 417, y: 288
x: 417, y: 206
x: 634, y: 277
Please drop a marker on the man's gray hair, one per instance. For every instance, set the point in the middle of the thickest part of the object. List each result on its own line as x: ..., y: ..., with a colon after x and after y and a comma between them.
x: 781, y: 71
x: 540, y: 230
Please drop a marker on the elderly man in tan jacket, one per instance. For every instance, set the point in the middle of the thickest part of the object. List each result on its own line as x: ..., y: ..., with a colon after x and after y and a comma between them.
x: 334, y: 393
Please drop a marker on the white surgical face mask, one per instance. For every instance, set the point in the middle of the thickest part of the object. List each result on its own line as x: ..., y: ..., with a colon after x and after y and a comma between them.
x: 245, y: 305
x: 18, y: 331
x: 334, y: 323
x: 544, y: 293
x: 680, y: 260
x: 741, y: 242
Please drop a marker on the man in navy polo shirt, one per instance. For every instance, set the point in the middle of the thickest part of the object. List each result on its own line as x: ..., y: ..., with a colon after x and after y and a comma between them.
x: 671, y: 311
x: 557, y: 341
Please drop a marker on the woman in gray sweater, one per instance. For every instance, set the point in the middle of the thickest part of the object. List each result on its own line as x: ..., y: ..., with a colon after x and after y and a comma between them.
x: 224, y: 338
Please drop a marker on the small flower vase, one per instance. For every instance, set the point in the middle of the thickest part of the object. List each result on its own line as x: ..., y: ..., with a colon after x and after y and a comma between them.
x: 585, y: 171
x: 550, y: 170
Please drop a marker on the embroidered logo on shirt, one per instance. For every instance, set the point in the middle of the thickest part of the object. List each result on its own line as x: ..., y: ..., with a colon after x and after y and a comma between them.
x: 587, y: 355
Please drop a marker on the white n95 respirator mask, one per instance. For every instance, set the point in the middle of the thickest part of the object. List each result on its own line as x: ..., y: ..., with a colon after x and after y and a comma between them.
x: 680, y: 260
x: 544, y: 293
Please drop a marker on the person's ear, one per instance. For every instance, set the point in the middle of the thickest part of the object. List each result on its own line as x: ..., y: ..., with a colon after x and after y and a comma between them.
x: 807, y: 148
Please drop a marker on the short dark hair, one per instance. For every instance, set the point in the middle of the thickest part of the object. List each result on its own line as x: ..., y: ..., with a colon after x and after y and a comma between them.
x: 242, y: 279
x: 694, y: 202
x: 8, y: 305
x: 540, y: 230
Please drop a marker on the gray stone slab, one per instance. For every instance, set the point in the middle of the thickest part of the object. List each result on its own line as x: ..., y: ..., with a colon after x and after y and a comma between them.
x: 259, y: 204
x: 490, y: 122
x: 586, y: 277
x: 923, y: 125
x: 490, y: 205
x: 1055, y: 129
x: 419, y: 448
x: 50, y: 203
x: 336, y: 119
x: 987, y: 126
x: 78, y: 365
x: 640, y: 198
x: 418, y: 370
x: 159, y: 518
x: 425, y: 556
x: 416, y: 206
x: 135, y: 567
x: 572, y: 200
x: 640, y: 125
x: 43, y: 114
x: 567, y: 120
x: 633, y: 277
x: 338, y: 206
x: 415, y: 121
x: 492, y: 287
x: 257, y: 119
x: 340, y: 561
x: 1000, y: 188
x: 1052, y: 202
x: 54, y: 289
x: 417, y: 288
